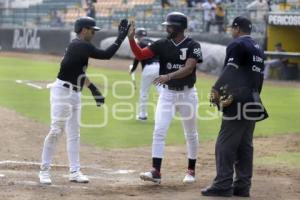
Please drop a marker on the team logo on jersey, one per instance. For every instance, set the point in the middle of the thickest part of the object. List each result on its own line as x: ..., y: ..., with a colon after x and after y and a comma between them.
x: 174, y: 66
x: 256, y: 69
x: 197, y: 52
x: 169, y: 66
x: 230, y: 59
x: 183, y: 55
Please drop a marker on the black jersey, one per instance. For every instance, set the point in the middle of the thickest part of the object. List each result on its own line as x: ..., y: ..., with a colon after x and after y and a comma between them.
x: 144, y: 42
x: 242, y: 74
x: 75, y: 61
x: 246, y: 55
x: 173, y: 56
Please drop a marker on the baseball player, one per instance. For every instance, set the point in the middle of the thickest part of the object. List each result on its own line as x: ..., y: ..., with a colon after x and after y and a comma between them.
x: 66, y: 91
x: 150, y: 71
x: 237, y: 94
x: 178, y: 56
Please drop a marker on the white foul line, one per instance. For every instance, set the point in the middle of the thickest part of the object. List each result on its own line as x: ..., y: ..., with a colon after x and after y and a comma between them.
x: 34, y: 85
x: 32, y: 183
x: 2, y: 175
x: 29, y: 84
x: 109, y: 171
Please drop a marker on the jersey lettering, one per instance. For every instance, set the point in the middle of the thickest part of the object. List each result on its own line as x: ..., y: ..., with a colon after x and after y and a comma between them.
x: 183, y: 55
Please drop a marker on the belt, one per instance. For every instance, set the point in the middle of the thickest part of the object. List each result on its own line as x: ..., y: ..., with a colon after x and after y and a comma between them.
x: 75, y: 88
x: 178, y: 88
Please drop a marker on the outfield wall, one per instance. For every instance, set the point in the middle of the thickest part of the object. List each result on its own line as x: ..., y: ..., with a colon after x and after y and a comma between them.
x: 54, y: 41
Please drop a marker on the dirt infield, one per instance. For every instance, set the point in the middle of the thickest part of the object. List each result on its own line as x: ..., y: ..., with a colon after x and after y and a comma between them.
x: 114, y: 173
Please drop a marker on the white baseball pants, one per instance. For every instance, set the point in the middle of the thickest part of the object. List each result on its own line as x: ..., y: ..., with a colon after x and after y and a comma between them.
x: 186, y: 103
x: 65, y: 116
x: 150, y: 72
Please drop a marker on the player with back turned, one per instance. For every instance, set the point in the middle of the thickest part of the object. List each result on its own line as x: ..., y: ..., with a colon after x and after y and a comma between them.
x: 178, y: 56
x: 150, y: 71
x: 66, y: 91
x: 237, y: 94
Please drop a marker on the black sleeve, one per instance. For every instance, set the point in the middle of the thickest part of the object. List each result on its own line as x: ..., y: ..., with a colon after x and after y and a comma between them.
x: 233, y: 61
x: 157, y: 47
x: 227, y: 77
x: 104, y: 54
x: 195, y: 52
x: 235, y: 55
x: 134, y: 64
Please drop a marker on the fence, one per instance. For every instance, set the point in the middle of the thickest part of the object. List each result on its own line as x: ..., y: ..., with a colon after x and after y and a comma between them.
x: 148, y: 17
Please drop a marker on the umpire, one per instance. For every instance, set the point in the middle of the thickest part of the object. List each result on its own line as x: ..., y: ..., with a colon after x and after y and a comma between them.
x: 236, y: 93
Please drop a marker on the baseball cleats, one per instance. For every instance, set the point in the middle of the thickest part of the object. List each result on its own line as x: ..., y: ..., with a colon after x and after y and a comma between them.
x: 45, y: 177
x: 78, y: 177
x: 153, y: 176
x: 142, y: 119
x: 189, y: 177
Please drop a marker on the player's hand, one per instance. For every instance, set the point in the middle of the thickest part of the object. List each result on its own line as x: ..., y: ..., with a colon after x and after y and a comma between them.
x: 131, y: 31
x: 161, y: 79
x: 96, y: 94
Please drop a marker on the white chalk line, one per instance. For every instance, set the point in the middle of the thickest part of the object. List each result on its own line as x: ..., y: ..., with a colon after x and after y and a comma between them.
x: 34, y: 86
x: 2, y: 175
x: 28, y: 83
x: 27, y: 163
x: 33, y: 183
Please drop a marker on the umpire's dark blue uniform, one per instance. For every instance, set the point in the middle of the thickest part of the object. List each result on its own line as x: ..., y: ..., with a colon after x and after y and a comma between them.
x: 242, y: 77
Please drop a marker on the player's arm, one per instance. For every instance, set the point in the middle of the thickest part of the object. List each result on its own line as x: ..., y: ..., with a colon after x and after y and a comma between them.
x: 140, y: 53
x: 220, y: 95
x: 112, y: 49
x: 235, y: 55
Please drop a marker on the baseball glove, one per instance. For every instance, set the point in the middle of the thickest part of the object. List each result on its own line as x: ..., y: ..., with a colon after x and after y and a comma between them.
x: 122, y: 31
x: 221, y: 99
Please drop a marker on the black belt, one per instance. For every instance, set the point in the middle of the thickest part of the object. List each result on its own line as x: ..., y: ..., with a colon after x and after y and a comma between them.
x: 75, y: 88
x: 177, y: 88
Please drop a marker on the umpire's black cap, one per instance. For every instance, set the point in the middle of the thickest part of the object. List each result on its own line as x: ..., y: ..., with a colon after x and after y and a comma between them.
x: 243, y: 23
x: 85, y: 22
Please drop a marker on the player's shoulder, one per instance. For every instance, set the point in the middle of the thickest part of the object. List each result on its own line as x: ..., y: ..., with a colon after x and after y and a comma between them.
x: 237, y: 43
x: 80, y: 44
x: 192, y: 41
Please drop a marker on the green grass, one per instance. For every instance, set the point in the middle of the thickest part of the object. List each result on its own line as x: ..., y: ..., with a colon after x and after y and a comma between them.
x: 289, y: 159
x: 281, y: 102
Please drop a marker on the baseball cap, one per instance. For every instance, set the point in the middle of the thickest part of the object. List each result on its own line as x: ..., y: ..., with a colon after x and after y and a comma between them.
x: 243, y: 23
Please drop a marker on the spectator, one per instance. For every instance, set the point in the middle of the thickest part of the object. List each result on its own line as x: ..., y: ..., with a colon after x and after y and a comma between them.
x: 165, y: 3
x: 277, y: 63
x: 55, y: 19
x: 258, y: 10
x: 190, y: 3
x: 194, y: 24
x: 220, y: 17
x: 209, y: 14
x: 91, y: 11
